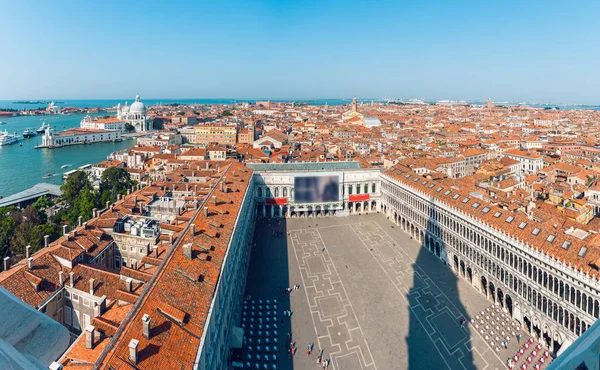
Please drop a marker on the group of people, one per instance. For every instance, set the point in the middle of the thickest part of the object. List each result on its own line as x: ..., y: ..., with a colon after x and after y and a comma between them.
x: 288, y: 290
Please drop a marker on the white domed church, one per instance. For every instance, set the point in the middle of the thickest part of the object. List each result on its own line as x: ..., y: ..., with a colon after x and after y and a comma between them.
x: 135, y: 115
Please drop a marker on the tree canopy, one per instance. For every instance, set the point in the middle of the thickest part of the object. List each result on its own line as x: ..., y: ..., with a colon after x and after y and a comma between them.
x: 114, y: 181
x: 74, y: 185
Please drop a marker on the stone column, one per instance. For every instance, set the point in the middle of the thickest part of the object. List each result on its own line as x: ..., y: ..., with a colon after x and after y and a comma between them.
x: 264, y: 210
x: 272, y: 211
x: 280, y: 211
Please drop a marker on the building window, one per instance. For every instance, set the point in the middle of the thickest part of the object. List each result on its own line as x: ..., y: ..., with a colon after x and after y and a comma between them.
x: 373, y: 188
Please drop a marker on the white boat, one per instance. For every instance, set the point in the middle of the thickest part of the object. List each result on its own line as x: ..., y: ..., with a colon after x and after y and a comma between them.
x: 65, y: 166
x: 42, y: 128
x: 2, y: 123
x: 7, y: 139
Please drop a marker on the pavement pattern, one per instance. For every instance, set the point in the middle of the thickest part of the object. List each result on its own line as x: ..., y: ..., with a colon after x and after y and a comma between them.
x: 369, y: 296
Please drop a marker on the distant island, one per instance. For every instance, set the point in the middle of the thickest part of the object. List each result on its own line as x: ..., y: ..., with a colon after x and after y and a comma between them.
x: 35, y: 102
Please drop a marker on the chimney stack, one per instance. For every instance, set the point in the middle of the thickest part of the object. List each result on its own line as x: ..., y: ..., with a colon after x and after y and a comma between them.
x: 135, y: 198
x: 221, y: 186
x: 55, y: 366
x: 196, y: 188
x: 61, y: 278
x: 155, y: 251
x: 92, y: 286
x: 65, y: 229
x: 27, y: 249
x: 85, y: 225
x: 214, y: 200
x: 187, y: 187
x: 170, y: 238
x: 107, y: 204
x: 79, y: 219
x: 206, y: 211
x: 71, y: 279
x: 192, y: 230
x: 89, y: 336
x: 30, y: 263
x: 133, y: 352
x: 95, y: 212
x: 118, y: 196
x: 187, y: 250
x: 6, y: 263
x: 46, y: 240
x: 146, y: 320
x: 128, y: 283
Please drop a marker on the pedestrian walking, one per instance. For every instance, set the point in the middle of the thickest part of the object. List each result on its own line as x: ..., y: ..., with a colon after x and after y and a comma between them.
x: 289, y: 353
x: 312, y: 345
x: 328, y: 362
x: 518, y: 338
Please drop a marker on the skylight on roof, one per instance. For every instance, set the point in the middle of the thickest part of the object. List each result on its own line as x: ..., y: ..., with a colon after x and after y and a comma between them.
x: 424, y: 182
x: 475, y: 205
x: 510, y: 219
x: 485, y: 209
x: 566, y: 244
x: 497, y: 214
x: 416, y: 179
x: 465, y: 200
x: 456, y: 196
x: 550, y: 238
x: 431, y: 186
x: 536, y: 231
x: 447, y: 192
x: 438, y: 189
x: 582, y: 252
x: 522, y: 225
x: 407, y: 175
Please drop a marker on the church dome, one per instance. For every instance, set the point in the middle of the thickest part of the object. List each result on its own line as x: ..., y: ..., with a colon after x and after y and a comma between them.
x: 137, y: 106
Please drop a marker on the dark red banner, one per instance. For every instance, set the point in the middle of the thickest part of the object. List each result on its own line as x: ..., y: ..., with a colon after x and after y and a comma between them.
x: 358, y: 197
x: 278, y: 201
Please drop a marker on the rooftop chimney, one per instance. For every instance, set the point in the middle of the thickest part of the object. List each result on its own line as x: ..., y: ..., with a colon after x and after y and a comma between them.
x: 61, y: 278
x: 196, y: 188
x: 71, y: 279
x: 89, y: 336
x: 92, y: 286
x: 214, y: 200
x: 46, y: 240
x: 206, y: 211
x: 187, y: 250
x: 30, y: 263
x: 128, y: 283
x: 221, y: 186
x: 79, y: 219
x: 155, y: 251
x: 192, y: 229
x: 146, y: 320
x: 118, y: 196
x: 85, y: 225
x: 65, y: 229
x: 207, y: 165
x: 6, y: 263
x: 107, y: 204
x: 170, y: 238
x: 135, y: 198
x: 27, y: 249
x: 133, y: 353
x: 95, y: 212
x: 187, y: 187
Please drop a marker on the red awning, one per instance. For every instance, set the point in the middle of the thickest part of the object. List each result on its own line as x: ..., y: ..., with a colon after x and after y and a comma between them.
x: 278, y: 201
x: 358, y: 197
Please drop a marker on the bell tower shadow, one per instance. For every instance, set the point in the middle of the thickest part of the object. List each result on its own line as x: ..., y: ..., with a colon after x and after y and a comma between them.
x: 439, y: 336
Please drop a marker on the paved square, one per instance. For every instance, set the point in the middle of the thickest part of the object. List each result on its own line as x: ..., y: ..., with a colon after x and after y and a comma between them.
x: 369, y: 296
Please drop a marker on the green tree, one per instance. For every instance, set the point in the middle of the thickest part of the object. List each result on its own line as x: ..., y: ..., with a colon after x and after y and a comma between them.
x: 129, y: 127
x: 74, y: 185
x: 42, y: 203
x: 114, y: 181
x: 227, y: 113
x: 83, y: 205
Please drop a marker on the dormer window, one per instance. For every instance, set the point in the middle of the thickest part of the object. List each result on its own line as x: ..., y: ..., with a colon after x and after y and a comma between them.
x: 497, y: 214
x: 566, y: 245
x: 456, y: 196
x: 465, y: 200
x: 522, y: 225
x: 438, y: 189
x: 485, y: 209
x: 550, y: 238
x: 475, y: 205
x: 447, y: 192
x: 582, y: 252
x: 431, y: 186
x: 536, y: 231
x: 510, y: 219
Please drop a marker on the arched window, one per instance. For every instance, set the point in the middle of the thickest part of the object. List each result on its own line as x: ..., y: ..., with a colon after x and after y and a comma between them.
x: 366, y: 187
x: 358, y: 189
x: 260, y: 192
x: 276, y: 192
x: 373, y: 188
x: 284, y: 192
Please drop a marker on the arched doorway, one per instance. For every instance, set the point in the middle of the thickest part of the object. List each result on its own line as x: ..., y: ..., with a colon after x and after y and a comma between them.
x: 547, y: 337
x: 537, y: 331
x: 492, y: 292
x: 437, y: 249
x: 462, y: 268
x: 501, y: 297
x: 509, y: 305
x: 470, y: 275
x: 456, y: 263
x: 527, y: 324
x: 484, y: 289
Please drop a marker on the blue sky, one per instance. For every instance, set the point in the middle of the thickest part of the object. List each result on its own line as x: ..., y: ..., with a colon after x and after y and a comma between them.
x: 507, y: 50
